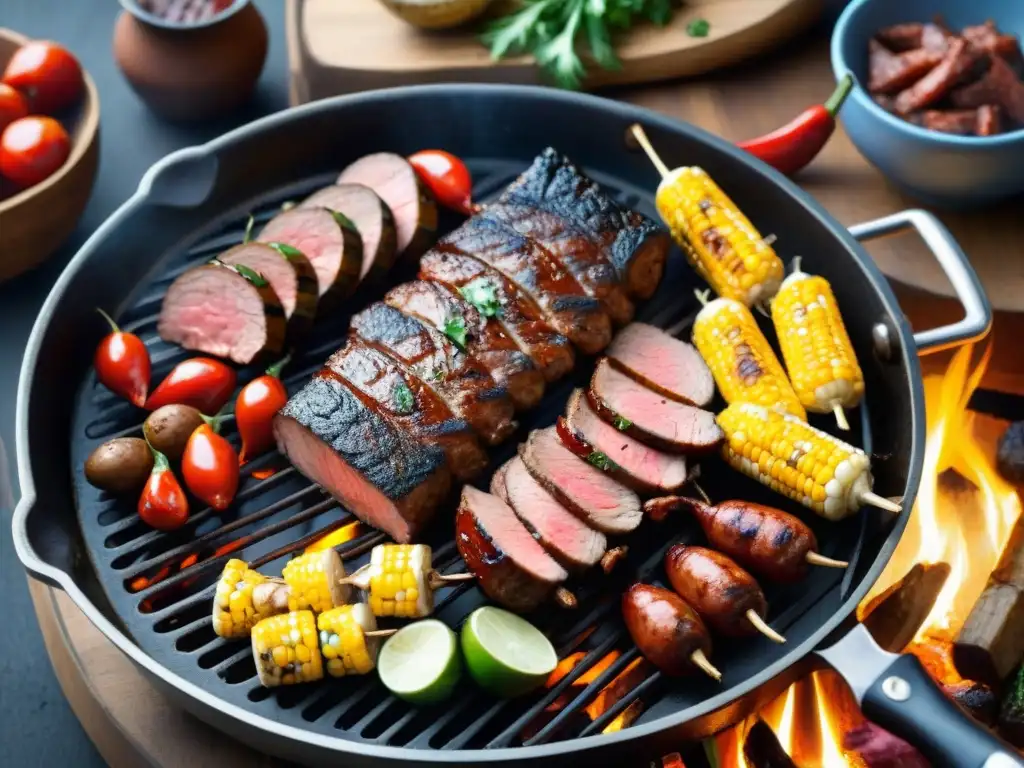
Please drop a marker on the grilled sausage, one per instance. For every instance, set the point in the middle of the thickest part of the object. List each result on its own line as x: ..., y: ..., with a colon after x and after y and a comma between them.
x: 668, y: 632
x: 766, y: 540
x: 718, y: 589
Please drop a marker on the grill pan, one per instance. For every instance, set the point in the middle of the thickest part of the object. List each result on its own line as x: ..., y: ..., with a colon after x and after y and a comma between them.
x: 194, y: 203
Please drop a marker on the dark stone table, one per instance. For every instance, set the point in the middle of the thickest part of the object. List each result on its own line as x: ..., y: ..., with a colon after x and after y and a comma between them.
x: 37, y: 728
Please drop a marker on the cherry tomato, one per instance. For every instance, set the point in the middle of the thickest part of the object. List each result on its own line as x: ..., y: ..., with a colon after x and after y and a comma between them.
x: 255, y: 408
x: 447, y: 177
x: 210, y: 467
x: 47, y: 74
x: 12, y: 106
x: 202, y: 382
x: 122, y: 363
x: 32, y: 148
x: 163, y: 503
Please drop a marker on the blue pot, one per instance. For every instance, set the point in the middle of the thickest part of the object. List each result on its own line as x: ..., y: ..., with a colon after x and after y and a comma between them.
x: 937, y: 168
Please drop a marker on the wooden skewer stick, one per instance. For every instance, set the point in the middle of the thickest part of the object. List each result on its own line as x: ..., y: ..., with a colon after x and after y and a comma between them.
x: 873, y: 499
x: 763, y: 628
x: 641, y: 138
x: 564, y: 598
x: 437, y: 580
x: 700, y: 660
x: 841, y: 421
x: 826, y: 562
x: 380, y: 633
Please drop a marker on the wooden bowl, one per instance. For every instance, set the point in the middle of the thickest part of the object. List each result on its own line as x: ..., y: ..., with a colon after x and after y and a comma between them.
x: 34, y: 222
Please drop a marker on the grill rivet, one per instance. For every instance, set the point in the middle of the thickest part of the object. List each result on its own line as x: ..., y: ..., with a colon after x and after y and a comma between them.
x: 896, y: 688
x: 883, y: 341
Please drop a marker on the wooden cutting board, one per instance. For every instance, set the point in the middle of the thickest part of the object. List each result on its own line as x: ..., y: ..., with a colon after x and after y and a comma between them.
x: 341, y: 46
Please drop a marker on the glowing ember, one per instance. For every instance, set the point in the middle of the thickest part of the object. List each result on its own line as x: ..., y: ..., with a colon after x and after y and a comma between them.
x: 336, y: 537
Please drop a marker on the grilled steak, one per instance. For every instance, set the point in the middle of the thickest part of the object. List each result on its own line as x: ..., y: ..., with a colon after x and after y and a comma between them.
x: 460, y: 380
x: 634, y: 244
x: 481, y: 337
x: 517, y: 313
x: 376, y: 471
x: 409, y: 404
x: 586, y: 491
x: 372, y: 218
x: 650, y: 417
x: 511, y: 567
x: 396, y: 183
x: 289, y: 273
x: 629, y: 461
x: 663, y: 363
x: 328, y: 240
x: 569, y: 540
x: 574, y: 250
x: 563, y: 301
x: 214, y: 309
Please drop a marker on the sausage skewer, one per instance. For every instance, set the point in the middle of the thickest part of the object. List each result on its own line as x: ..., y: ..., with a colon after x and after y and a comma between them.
x: 766, y: 540
x: 722, y: 593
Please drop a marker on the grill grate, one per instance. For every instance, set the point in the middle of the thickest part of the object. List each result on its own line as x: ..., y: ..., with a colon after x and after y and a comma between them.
x: 161, y: 584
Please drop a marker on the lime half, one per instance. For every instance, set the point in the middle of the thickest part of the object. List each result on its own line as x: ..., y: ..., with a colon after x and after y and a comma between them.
x: 506, y: 655
x: 420, y: 663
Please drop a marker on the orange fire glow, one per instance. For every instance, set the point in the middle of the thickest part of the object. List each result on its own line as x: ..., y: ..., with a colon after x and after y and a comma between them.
x: 964, y: 522
x: 336, y: 537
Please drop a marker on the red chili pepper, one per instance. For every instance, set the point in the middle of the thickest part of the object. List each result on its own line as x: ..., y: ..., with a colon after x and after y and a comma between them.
x: 255, y: 408
x: 571, y: 439
x: 447, y: 177
x: 163, y: 504
x: 210, y: 466
x: 794, y: 145
x: 202, y: 382
x: 122, y: 363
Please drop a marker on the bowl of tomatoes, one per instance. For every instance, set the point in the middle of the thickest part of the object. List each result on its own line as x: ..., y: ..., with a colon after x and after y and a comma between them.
x: 49, y: 148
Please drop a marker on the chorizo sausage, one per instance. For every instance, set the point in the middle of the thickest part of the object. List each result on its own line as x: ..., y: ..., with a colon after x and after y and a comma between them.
x: 668, y: 632
x: 718, y: 589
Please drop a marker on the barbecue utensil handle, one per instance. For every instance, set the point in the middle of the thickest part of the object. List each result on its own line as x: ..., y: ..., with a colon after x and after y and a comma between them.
x: 977, y: 318
x: 905, y: 701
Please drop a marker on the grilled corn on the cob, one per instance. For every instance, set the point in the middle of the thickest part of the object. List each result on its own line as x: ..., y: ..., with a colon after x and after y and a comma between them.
x: 719, y: 241
x: 398, y: 580
x: 243, y: 598
x: 816, y: 347
x: 743, y: 363
x: 343, y: 642
x: 809, y: 466
x: 316, y: 581
x: 286, y: 649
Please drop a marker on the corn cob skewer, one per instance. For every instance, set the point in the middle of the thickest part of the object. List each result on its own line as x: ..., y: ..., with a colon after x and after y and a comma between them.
x: 350, y: 640
x: 820, y: 359
x: 719, y: 241
x: 243, y: 597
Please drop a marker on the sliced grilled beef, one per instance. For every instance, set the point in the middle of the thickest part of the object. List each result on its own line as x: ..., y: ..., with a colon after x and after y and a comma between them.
x: 517, y: 313
x: 409, y: 404
x: 289, y: 273
x: 397, y: 184
x: 663, y: 363
x: 372, y: 218
x: 574, y: 250
x: 634, y: 244
x: 563, y: 301
x: 330, y: 242
x: 214, y: 309
x: 586, y: 491
x: 512, y: 568
x: 374, y: 470
x: 461, y: 381
x: 480, y: 337
x: 642, y: 468
x: 569, y: 540
x: 649, y: 417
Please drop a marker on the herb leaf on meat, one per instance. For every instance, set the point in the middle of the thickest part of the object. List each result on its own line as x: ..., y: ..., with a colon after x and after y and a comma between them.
x: 251, y: 275
x: 621, y: 423
x: 403, y: 398
x: 455, y: 329
x: 248, y: 229
x: 601, y: 461
x: 288, y: 251
x: 483, y: 295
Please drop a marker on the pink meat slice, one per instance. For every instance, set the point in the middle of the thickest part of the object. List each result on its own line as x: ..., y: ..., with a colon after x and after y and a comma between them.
x: 649, y: 470
x: 569, y: 540
x: 586, y: 491
x: 663, y: 363
x: 336, y: 257
x: 274, y: 268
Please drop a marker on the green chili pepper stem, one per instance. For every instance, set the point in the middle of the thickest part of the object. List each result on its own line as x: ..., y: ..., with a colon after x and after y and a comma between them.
x: 217, y: 419
x: 835, y: 101
x: 275, y: 369
x: 113, y: 326
x: 160, y: 462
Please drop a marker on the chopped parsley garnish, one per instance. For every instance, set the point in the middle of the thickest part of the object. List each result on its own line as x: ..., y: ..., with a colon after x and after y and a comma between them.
x: 344, y: 221
x: 439, y: 375
x: 403, y: 398
x: 455, y: 329
x: 251, y: 275
x: 621, y: 423
x: 288, y: 251
x: 601, y: 461
x: 698, y: 28
x: 484, y: 296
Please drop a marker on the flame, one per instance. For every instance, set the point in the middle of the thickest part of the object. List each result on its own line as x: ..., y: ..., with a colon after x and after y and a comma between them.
x: 336, y: 537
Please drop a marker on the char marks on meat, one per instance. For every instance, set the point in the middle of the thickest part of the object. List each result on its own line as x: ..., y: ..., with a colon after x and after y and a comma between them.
x: 374, y: 470
x: 635, y: 245
x: 461, y: 381
x: 586, y: 491
x: 662, y: 363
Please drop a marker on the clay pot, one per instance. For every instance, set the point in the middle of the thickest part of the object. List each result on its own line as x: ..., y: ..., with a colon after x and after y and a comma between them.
x: 191, y: 71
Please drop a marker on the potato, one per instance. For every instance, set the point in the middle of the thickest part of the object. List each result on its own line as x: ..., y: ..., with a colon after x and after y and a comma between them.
x: 120, y: 466
x: 169, y: 427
